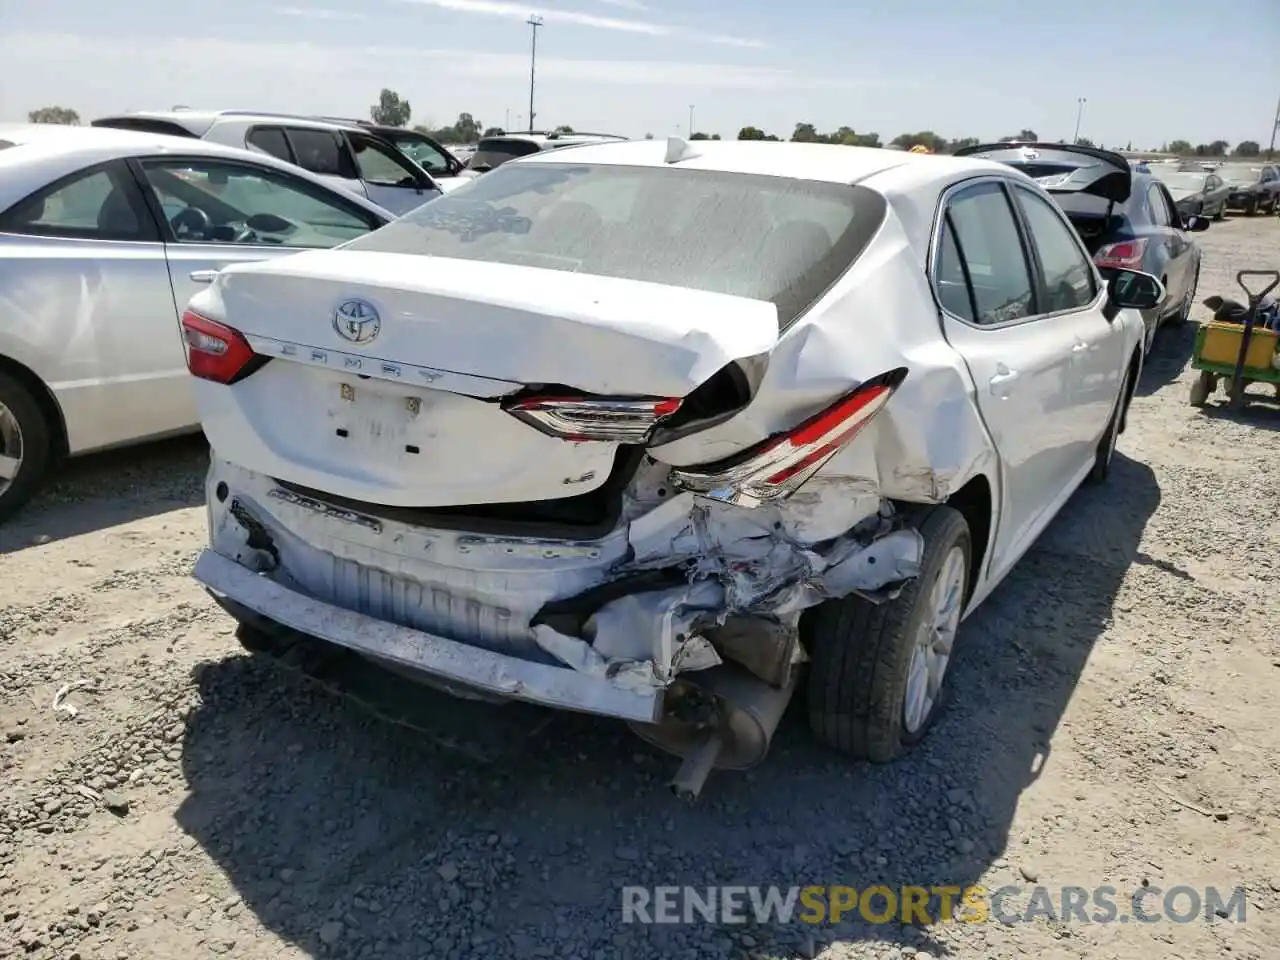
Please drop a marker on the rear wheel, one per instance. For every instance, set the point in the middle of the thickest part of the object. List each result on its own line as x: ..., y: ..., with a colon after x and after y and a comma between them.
x: 878, y: 671
x: 24, y: 446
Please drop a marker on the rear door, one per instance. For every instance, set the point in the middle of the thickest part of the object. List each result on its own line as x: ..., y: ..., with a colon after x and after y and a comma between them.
x: 216, y: 212
x: 325, y: 153
x: 84, y: 280
x: 390, y: 180
x: 1021, y: 361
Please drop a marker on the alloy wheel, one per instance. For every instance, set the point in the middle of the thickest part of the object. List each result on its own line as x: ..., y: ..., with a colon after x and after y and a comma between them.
x: 934, y: 641
x: 10, y: 448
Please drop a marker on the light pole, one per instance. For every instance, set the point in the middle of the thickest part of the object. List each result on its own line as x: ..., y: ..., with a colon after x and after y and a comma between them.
x: 1271, y: 149
x: 690, y: 133
x: 1080, y: 102
x: 506, y: 120
x: 534, y: 22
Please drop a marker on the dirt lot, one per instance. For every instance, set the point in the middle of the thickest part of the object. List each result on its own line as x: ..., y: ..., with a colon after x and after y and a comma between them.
x: 1115, y: 721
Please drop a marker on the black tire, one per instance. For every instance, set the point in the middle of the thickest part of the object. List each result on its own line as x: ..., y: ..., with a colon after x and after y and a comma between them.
x: 861, y: 653
x: 36, y: 446
x: 1101, y: 470
x: 1184, y: 311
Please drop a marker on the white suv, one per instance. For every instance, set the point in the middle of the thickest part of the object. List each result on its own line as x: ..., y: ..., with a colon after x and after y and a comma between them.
x: 342, y: 154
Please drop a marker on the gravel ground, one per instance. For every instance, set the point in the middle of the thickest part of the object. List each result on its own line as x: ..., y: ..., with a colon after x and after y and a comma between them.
x: 1114, y: 722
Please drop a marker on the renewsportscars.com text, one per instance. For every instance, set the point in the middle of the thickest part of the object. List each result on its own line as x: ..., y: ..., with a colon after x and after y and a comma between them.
x: 926, y: 905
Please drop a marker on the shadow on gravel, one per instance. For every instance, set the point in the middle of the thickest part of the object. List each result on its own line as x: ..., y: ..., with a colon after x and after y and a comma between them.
x: 354, y: 838
x: 1169, y: 355
x: 1262, y: 409
x: 105, y: 489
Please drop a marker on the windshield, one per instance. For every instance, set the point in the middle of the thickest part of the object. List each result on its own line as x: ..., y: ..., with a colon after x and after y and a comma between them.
x: 766, y: 238
x: 1191, y: 182
x: 494, y: 153
x: 1240, y: 174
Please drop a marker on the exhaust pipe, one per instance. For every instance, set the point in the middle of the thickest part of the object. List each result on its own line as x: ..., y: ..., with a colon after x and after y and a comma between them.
x: 718, y: 719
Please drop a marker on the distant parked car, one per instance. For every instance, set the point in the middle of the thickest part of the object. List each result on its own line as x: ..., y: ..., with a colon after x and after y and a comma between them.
x: 1254, y: 187
x: 1196, y: 194
x: 104, y: 236
x: 763, y: 414
x: 493, y: 152
x: 1127, y: 218
x: 344, y: 154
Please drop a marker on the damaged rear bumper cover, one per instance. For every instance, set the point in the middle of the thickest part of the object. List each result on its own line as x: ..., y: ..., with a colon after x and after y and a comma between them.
x: 484, y: 670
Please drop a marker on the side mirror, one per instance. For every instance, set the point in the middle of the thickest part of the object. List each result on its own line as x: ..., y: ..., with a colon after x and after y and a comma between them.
x: 1133, y: 290
x: 1195, y: 224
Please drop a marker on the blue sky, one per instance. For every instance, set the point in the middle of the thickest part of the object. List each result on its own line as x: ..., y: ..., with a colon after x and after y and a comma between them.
x: 1150, y: 72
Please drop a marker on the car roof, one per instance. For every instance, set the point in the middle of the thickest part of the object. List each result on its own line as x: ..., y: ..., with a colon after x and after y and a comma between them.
x: 199, y: 122
x: 800, y: 161
x: 44, y: 152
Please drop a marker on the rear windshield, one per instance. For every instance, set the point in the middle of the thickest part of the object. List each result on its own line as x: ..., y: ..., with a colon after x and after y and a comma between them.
x: 1184, y: 181
x: 765, y: 238
x: 493, y: 153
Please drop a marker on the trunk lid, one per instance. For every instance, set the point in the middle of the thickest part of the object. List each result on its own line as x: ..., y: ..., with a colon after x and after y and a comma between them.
x: 402, y: 408
x: 1063, y: 168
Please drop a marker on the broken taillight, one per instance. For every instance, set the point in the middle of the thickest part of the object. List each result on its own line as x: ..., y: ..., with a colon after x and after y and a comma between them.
x: 779, y: 466
x: 1125, y: 255
x: 217, y: 352
x: 616, y: 420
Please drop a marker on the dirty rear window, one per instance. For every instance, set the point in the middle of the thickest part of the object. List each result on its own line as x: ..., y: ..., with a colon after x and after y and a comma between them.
x: 766, y: 238
x: 494, y: 153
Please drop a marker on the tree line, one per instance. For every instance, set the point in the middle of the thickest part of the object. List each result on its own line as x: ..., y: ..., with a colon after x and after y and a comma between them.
x: 394, y: 111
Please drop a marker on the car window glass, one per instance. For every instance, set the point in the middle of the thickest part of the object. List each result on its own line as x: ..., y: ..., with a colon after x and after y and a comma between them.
x: 318, y: 151
x: 423, y: 154
x: 1068, y: 274
x: 214, y: 202
x: 378, y: 164
x: 270, y: 140
x: 99, y: 205
x: 953, y: 285
x: 988, y: 240
x: 1156, y: 207
x: 774, y: 239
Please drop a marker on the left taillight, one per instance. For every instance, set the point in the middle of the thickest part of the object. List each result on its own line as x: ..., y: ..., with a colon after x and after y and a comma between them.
x: 217, y: 352
x: 779, y: 466
x: 616, y: 420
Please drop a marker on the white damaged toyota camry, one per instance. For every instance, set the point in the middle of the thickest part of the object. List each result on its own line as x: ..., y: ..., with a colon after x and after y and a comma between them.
x: 662, y: 430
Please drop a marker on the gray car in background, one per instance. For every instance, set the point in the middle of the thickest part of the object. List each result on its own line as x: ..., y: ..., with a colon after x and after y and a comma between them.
x: 341, y: 153
x: 1253, y: 187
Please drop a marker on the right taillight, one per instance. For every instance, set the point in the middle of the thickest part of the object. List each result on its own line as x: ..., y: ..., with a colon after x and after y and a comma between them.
x: 217, y: 352
x: 1125, y: 255
x: 780, y: 465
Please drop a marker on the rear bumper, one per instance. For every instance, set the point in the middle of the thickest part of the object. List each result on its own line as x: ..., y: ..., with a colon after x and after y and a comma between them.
x: 496, y: 674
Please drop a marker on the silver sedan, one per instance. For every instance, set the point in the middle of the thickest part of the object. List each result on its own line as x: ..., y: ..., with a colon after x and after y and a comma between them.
x: 104, y: 237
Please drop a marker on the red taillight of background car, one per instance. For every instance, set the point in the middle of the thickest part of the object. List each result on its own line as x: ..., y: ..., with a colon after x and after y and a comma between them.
x: 1125, y: 255
x: 215, y: 351
x: 778, y: 467
x: 616, y: 420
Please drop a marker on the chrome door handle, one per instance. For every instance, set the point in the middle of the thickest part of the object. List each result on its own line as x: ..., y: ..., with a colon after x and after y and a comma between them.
x: 203, y: 276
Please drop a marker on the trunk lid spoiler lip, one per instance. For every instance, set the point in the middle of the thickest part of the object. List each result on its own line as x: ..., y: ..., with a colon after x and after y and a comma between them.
x: 1101, y: 173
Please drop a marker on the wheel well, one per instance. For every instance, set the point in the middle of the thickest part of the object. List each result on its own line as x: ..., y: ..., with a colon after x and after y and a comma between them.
x: 973, y: 500
x: 44, y: 398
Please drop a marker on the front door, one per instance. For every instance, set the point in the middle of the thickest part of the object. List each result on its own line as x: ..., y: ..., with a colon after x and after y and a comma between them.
x: 390, y: 180
x: 220, y: 212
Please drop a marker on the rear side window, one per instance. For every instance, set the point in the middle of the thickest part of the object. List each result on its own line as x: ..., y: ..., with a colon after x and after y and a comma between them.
x: 990, y: 247
x: 1157, y: 208
x: 493, y: 153
x: 271, y: 141
x: 765, y: 238
x: 99, y: 204
x: 319, y: 151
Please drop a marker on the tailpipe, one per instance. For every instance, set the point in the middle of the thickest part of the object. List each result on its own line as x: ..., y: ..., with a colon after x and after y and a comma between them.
x: 718, y: 719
